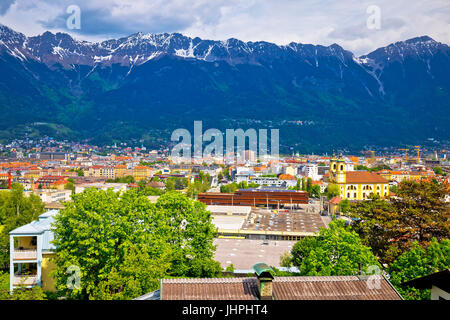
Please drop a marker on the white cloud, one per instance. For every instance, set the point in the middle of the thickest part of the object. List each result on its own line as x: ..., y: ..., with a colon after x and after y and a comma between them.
x: 280, y: 21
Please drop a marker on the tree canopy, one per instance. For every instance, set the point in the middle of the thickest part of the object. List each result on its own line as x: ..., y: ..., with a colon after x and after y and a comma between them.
x: 418, y: 212
x: 123, y: 244
x: 16, y: 210
x: 419, y: 262
x: 337, y: 250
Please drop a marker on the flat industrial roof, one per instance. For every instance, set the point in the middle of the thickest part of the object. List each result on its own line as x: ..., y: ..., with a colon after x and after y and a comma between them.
x: 228, y: 222
x: 291, y: 221
x: 242, y: 210
x: 243, y: 253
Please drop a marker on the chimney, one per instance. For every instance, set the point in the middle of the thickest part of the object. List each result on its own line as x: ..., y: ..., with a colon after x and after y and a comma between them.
x: 264, y: 275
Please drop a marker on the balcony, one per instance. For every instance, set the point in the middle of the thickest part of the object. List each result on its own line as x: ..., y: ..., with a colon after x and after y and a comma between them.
x: 25, y: 280
x: 25, y: 254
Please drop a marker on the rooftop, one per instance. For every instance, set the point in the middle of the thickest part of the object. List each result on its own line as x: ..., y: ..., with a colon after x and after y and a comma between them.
x: 363, y: 177
x: 246, y: 252
x: 290, y: 221
x: 284, y: 288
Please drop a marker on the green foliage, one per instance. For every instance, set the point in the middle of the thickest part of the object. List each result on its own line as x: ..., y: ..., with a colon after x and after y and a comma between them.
x: 230, y: 268
x: 417, y: 213
x: 201, y: 185
x: 232, y: 187
x: 419, y: 262
x: 16, y: 210
x: 314, y: 191
x: 332, y: 191
x: 176, y: 183
x: 438, y: 170
x: 344, y: 206
x: 337, y: 250
x: 191, y: 235
x: 20, y: 293
x: 127, y: 179
x: 70, y: 185
x: 374, y: 169
x: 393, y: 189
x: 286, y: 259
x: 146, y: 190
x: 123, y: 244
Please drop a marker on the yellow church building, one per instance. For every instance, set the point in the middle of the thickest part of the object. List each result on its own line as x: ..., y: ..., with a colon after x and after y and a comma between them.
x: 356, y: 185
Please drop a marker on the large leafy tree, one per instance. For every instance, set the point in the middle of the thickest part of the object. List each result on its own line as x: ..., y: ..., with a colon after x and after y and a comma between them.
x: 332, y: 191
x: 419, y: 262
x: 123, y: 244
x: 337, y: 250
x: 191, y: 235
x: 418, y: 212
x: 16, y: 210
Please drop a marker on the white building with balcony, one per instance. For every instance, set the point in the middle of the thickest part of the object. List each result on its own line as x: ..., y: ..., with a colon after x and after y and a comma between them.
x: 30, y: 253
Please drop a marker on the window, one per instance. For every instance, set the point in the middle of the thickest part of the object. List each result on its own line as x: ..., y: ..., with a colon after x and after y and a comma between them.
x: 348, y: 195
x: 354, y: 195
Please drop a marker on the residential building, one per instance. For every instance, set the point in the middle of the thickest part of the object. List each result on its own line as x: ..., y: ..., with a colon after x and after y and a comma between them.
x: 31, y: 251
x: 142, y: 173
x: 116, y: 187
x: 120, y: 171
x: 51, y: 182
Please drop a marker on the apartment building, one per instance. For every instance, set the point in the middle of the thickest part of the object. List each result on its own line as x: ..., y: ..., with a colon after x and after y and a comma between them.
x: 31, y: 251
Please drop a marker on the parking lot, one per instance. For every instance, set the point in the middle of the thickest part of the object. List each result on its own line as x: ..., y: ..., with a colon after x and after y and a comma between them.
x: 244, y: 253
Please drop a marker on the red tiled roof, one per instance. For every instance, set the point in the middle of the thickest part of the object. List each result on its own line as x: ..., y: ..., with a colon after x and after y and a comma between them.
x: 335, y: 200
x: 286, y: 177
x: 363, y: 177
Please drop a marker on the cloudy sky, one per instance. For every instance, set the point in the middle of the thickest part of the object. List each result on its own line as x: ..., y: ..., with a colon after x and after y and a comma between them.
x: 279, y: 21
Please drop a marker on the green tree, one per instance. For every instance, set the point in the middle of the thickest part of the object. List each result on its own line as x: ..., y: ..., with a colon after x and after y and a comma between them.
x: 70, y: 185
x: 337, y: 250
x: 191, y: 234
x: 417, y: 213
x: 123, y: 244
x: 344, y: 206
x: 314, y: 191
x: 419, y: 262
x: 332, y: 191
x: 438, y: 170
x: 303, y: 184
x: 100, y: 233
x: 16, y: 210
x: 309, y: 185
x: 127, y: 179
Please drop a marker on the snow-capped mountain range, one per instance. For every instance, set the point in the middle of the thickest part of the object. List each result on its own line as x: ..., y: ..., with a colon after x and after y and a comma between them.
x: 139, y: 48
x: 153, y: 77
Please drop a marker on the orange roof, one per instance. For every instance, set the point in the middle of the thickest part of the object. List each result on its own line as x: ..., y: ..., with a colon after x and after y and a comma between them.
x: 260, y: 168
x: 363, y: 177
x: 286, y: 177
x: 335, y: 200
x: 120, y: 166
